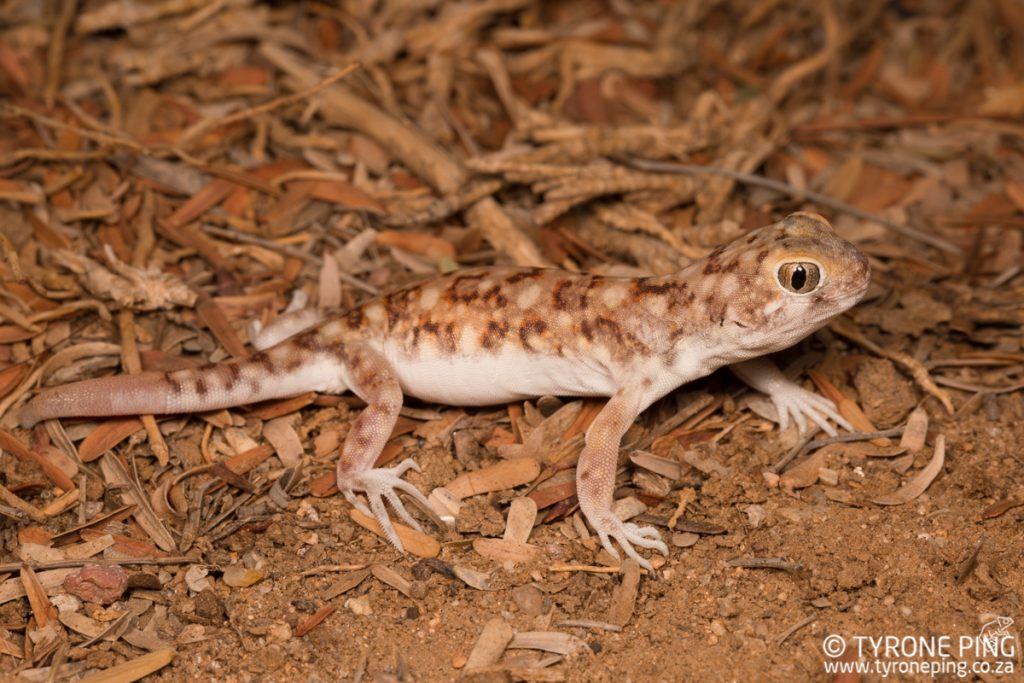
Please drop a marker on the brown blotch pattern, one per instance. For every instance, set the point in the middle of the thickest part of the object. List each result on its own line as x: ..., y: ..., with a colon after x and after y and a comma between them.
x: 622, y: 338
x: 464, y: 288
x: 309, y: 341
x: 264, y: 362
x: 356, y: 318
x: 396, y: 305
x: 714, y: 264
x: 494, y: 334
x: 531, y: 328
x: 175, y: 385
x: 447, y: 338
x: 528, y: 274
x: 559, y: 300
x: 494, y: 297
x: 443, y: 334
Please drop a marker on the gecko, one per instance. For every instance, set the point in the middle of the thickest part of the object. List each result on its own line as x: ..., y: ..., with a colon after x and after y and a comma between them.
x: 495, y: 335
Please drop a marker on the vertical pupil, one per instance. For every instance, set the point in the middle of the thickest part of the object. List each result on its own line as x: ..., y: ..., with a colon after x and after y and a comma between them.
x: 799, y: 278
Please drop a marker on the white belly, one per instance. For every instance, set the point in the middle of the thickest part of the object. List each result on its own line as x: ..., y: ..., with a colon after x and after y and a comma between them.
x: 487, y: 379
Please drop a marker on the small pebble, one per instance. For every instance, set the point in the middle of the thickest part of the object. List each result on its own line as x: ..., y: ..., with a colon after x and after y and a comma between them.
x: 279, y: 632
x: 144, y: 580
x: 196, y: 579
x: 101, y: 584
x: 755, y: 515
x: 359, y: 606
x: 684, y: 540
x: 209, y: 606
x: 240, y: 577
x: 529, y: 600
x: 828, y: 477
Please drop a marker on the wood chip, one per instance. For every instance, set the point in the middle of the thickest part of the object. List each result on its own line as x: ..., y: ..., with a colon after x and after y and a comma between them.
x: 417, y: 243
x: 314, y: 620
x: 916, y: 430
x: 623, y: 601
x: 42, y: 609
x: 497, y: 477
x: 490, y: 644
x: 414, y: 542
x: 522, y: 515
x: 666, y: 467
x: 627, y: 508
x: 388, y: 575
x: 13, y: 446
x: 1000, y: 508
x: 503, y: 550
x: 134, y: 669
x: 804, y: 473
x: 917, y: 485
x: 548, y: 641
x: 282, y: 436
x: 107, y: 435
x: 346, y: 583
x: 473, y: 578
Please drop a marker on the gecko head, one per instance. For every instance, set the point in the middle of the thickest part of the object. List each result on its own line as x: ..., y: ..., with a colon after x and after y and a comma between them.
x: 784, y: 281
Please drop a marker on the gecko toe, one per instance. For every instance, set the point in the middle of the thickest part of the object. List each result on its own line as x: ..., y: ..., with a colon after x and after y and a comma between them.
x: 374, y: 495
x: 398, y: 506
x: 404, y: 466
x: 354, y: 501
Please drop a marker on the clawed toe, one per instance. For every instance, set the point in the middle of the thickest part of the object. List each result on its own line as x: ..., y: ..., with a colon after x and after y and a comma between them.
x: 382, y: 484
x: 627, y: 535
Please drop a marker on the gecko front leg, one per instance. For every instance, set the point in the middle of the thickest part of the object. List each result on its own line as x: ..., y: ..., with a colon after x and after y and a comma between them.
x: 790, y: 399
x: 595, y: 477
x: 371, y: 378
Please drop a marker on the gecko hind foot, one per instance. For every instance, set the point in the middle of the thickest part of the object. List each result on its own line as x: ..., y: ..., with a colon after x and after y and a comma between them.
x: 380, y: 484
x: 627, y: 534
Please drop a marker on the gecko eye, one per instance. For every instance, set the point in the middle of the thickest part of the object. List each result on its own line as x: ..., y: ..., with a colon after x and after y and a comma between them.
x: 799, y: 278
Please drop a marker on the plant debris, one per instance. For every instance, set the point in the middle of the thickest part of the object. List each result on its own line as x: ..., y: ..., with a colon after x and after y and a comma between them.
x: 176, y: 176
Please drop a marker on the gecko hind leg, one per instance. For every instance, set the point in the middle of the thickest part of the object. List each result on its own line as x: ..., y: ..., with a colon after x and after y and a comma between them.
x: 372, y: 378
x: 296, y: 318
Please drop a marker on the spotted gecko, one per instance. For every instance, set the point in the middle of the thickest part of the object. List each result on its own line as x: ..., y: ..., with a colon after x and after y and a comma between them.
x: 494, y: 335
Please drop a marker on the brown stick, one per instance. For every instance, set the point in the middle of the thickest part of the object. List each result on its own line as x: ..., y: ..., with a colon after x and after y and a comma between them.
x: 911, y: 365
x: 55, y: 53
x: 420, y: 154
x: 792, y: 191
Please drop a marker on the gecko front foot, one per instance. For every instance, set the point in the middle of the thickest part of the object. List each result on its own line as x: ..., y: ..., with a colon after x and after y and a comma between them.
x: 608, y: 526
x: 380, y: 484
x: 792, y: 400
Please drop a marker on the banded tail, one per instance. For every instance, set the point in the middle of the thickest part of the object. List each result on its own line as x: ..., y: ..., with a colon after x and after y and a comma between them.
x: 279, y: 372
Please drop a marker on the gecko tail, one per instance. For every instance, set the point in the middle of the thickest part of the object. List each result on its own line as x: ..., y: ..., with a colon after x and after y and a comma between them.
x: 260, y: 378
x: 145, y: 393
